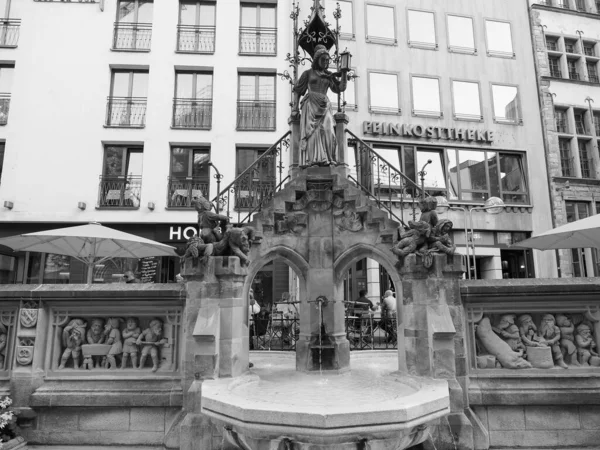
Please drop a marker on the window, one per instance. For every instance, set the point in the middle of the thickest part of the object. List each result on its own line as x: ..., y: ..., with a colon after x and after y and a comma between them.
x: 580, y: 5
x: 127, y: 100
x: 554, y: 64
x: 383, y: 180
x: 580, y: 122
x: 6, y: 80
x: 570, y: 46
x: 477, y: 175
x: 597, y: 123
x: 190, y: 176
x: 258, y: 183
x: 2, y: 149
x: 598, y: 6
x: 586, y: 163
x: 256, y: 102
x: 192, y: 107
x: 435, y: 178
x: 499, y: 39
x: 9, y: 28
x: 592, y: 69
x: 461, y: 37
x: 466, y: 100
x: 383, y: 93
x: 552, y: 43
x: 588, y: 49
x: 381, y: 24
x: 577, y: 211
x: 346, y: 21
x: 506, y: 104
x: 121, y: 180
x: 562, y: 124
x: 566, y: 160
x: 196, y: 29
x: 133, y: 29
x: 426, y: 96
x: 573, y: 72
x: 258, y: 29
x: 421, y: 29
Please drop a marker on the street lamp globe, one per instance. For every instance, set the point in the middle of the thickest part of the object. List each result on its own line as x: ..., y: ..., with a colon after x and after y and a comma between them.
x: 494, y: 205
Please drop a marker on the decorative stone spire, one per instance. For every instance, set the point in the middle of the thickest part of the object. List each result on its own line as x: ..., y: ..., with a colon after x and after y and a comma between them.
x: 317, y: 31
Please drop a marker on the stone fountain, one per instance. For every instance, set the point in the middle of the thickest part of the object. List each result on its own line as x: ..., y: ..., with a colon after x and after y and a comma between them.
x: 320, y: 223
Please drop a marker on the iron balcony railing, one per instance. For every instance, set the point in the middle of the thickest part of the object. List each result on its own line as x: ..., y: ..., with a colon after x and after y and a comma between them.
x: 256, y: 115
x: 192, y: 113
x: 181, y: 191
x: 258, y: 41
x: 9, y: 32
x: 196, y: 39
x: 120, y: 192
x: 4, y: 108
x: 132, y: 36
x: 255, y: 186
x: 278, y: 331
x: 383, y: 182
x: 126, y: 112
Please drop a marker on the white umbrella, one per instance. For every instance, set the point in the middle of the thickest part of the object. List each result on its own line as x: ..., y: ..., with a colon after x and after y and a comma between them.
x: 582, y: 233
x: 91, y: 244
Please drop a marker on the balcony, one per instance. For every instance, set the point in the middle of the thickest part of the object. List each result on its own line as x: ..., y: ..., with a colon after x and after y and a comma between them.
x: 181, y: 191
x: 126, y: 112
x: 192, y: 113
x: 195, y: 39
x: 132, y: 36
x: 258, y: 41
x: 256, y: 115
x: 4, y: 108
x: 9, y: 32
x: 120, y: 192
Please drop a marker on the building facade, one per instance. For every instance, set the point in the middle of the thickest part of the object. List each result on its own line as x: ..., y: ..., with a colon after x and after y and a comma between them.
x: 131, y: 109
x: 566, y: 35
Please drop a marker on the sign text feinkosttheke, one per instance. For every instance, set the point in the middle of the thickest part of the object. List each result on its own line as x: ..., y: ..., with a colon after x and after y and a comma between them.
x: 419, y: 131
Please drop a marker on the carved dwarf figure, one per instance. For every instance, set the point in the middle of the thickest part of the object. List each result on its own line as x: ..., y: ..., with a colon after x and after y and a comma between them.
x: 585, y: 344
x: 528, y: 330
x: 439, y: 242
x: 236, y: 242
x: 509, y: 332
x: 413, y: 240
x: 428, y: 206
x: 196, y: 248
x: 550, y: 335
x: 151, y: 339
x: 3, y: 339
x: 567, y: 340
x: 113, y: 338
x: 208, y: 221
x: 94, y: 336
x: 130, y: 334
x: 72, y: 337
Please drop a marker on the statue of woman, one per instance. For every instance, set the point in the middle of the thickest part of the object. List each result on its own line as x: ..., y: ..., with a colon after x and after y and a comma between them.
x: 318, y: 145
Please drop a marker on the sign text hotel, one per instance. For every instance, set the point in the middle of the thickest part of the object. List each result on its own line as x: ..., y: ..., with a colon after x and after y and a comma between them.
x: 419, y: 131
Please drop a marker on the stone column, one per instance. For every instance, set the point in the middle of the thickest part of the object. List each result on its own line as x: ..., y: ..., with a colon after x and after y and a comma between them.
x: 294, y: 123
x: 216, y: 338
x: 341, y: 120
x: 435, y: 337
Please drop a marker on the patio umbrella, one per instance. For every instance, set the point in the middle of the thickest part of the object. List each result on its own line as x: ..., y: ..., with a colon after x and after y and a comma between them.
x: 582, y: 233
x: 91, y: 244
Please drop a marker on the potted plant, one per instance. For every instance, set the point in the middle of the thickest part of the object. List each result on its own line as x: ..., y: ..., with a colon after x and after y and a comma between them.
x: 9, y: 431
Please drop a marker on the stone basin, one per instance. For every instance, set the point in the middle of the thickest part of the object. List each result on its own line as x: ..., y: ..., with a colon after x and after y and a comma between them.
x: 335, y: 411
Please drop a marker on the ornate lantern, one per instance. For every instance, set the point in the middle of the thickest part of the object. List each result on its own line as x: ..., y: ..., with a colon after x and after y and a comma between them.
x: 345, y: 61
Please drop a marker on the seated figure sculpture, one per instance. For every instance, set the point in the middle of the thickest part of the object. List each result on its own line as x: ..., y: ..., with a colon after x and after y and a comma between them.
x: 72, y: 337
x: 209, y: 223
x: 414, y: 240
x: 586, y: 347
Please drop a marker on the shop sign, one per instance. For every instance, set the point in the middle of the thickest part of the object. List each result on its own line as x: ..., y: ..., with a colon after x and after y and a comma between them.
x: 175, y: 233
x: 420, y: 131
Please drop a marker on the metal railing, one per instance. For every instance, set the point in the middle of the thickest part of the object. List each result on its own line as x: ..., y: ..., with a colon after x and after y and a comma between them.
x: 383, y: 182
x: 192, y: 113
x: 256, y: 185
x: 258, y: 41
x: 181, y: 191
x: 280, y: 332
x: 120, y: 192
x: 256, y: 115
x: 132, y: 36
x: 196, y: 38
x: 126, y: 111
x: 9, y: 32
x: 4, y: 108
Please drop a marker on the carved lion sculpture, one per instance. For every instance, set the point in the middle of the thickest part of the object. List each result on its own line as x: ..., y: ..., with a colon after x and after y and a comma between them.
x: 235, y: 242
x: 413, y: 240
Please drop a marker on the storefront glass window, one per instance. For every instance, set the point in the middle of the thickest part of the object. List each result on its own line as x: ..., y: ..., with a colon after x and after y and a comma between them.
x: 33, y: 268
x: 435, y: 178
x: 472, y: 174
x: 512, y: 173
x: 57, y: 269
x: 8, y: 269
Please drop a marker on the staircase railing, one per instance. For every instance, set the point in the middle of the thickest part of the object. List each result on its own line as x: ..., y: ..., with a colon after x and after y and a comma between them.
x: 383, y: 182
x: 254, y: 187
